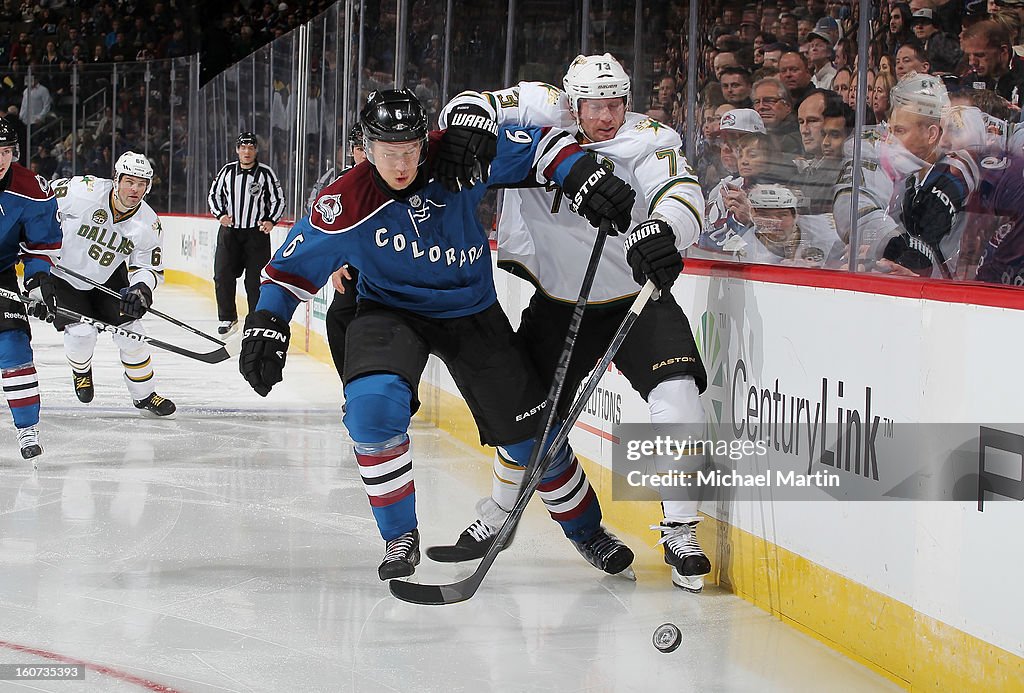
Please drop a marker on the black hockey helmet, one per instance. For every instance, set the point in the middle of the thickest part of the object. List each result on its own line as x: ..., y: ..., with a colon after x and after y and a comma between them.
x: 355, y: 136
x: 393, y: 115
x: 9, y: 137
x: 246, y: 138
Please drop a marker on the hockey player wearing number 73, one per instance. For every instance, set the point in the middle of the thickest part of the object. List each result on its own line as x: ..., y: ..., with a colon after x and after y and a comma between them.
x: 659, y: 356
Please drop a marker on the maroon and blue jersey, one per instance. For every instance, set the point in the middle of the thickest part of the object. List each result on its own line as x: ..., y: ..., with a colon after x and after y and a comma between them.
x: 1000, y: 194
x: 422, y: 251
x: 29, y: 230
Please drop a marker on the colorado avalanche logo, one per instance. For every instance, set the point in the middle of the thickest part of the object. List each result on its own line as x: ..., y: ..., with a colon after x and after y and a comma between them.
x: 43, y: 185
x: 329, y: 207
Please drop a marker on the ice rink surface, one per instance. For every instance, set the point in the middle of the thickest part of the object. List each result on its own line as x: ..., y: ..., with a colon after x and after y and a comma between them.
x: 232, y: 549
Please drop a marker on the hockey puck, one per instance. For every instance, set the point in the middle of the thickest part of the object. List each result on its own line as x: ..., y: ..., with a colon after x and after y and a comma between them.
x: 667, y: 637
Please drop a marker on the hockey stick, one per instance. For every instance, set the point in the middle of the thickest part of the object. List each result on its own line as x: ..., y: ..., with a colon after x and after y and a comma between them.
x: 549, y: 408
x: 562, y: 367
x: 215, y: 356
x: 110, y: 292
x: 464, y: 589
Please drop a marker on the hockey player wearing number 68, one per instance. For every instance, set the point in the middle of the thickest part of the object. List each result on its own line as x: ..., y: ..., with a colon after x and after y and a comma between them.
x: 426, y: 286
x: 29, y: 234
x: 659, y: 356
x: 113, y: 237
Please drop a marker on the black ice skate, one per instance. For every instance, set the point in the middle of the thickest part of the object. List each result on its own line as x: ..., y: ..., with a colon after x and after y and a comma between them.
x: 477, y: 538
x: 28, y: 439
x: 226, y: 327
x: 83, y: 386
x: 155, y: 405
x: 604, y: 551
x: 401, y: 556
x: 689, y: 562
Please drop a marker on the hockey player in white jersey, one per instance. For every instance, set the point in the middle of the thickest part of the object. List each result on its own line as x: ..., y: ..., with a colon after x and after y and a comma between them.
x: 113, y: 237
x: 659, y: 357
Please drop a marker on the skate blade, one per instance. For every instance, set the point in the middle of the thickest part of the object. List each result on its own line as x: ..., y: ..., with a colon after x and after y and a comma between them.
x: 147, y: 414
x: 688, y: 583
x: 627, y: 573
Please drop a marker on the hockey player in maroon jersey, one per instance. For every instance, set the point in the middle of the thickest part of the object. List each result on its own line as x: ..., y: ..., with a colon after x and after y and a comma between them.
x: 30, y: 234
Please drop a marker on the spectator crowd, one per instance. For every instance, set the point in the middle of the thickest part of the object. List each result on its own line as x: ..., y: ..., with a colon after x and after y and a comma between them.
x: 774, y: 130
x: 777, y: 86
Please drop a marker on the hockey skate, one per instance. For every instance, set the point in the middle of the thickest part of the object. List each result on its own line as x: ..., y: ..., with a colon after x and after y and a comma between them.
x: 28, y: 439
x: 401, y: 556
x: 83, y: 386
x: 476, y: 539
x: 155, y: 405
x: 604, y: 551
x: 689, y: 562
x: 226, y: 327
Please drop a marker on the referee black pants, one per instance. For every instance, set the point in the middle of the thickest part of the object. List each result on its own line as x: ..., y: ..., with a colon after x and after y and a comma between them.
x: 238, y: 251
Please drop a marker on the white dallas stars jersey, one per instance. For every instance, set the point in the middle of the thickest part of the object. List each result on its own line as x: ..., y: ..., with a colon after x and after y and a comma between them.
x: 644, y: 153
x: 98, y: 239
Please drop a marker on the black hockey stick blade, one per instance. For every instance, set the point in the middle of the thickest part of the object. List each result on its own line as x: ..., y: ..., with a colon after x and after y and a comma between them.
x: 215, y: 356
x: 453, y: 593
x: 110, y: 292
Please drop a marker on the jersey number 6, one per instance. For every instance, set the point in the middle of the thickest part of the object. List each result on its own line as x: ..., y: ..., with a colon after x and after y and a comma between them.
x: 292, y: 246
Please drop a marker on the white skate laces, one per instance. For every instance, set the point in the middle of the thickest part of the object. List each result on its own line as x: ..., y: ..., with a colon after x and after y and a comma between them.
x: 28, y: 441
x: 28, y: 436
x: 490, y: 518
x: 400, y: 548
x: 681, y: 538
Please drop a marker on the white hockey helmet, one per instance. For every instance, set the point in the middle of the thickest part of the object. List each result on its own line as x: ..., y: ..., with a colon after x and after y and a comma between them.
x: 595, y: 77
x: 772, y: 197
x: 133, y: 164
x: 924, y: 95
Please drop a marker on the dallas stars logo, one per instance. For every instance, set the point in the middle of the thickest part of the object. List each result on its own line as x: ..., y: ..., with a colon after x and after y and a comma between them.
x: 649, y: 124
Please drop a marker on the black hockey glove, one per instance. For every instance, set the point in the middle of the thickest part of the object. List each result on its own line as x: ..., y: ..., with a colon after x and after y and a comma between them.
x: 470, y: 140
x: 136, y: 300
x: 596, y: 193
x: 652, y: 254
x: 41, y: 288
x: 264, y: 348
x: 928, y: 216
x: 905, y: 250
x: 929, y: 213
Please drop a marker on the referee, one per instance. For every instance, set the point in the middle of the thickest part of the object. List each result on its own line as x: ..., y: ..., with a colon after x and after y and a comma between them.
x: 247, y: 200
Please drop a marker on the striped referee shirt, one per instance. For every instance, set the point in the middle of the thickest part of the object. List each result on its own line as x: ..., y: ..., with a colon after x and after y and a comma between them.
x: 248, y: 196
